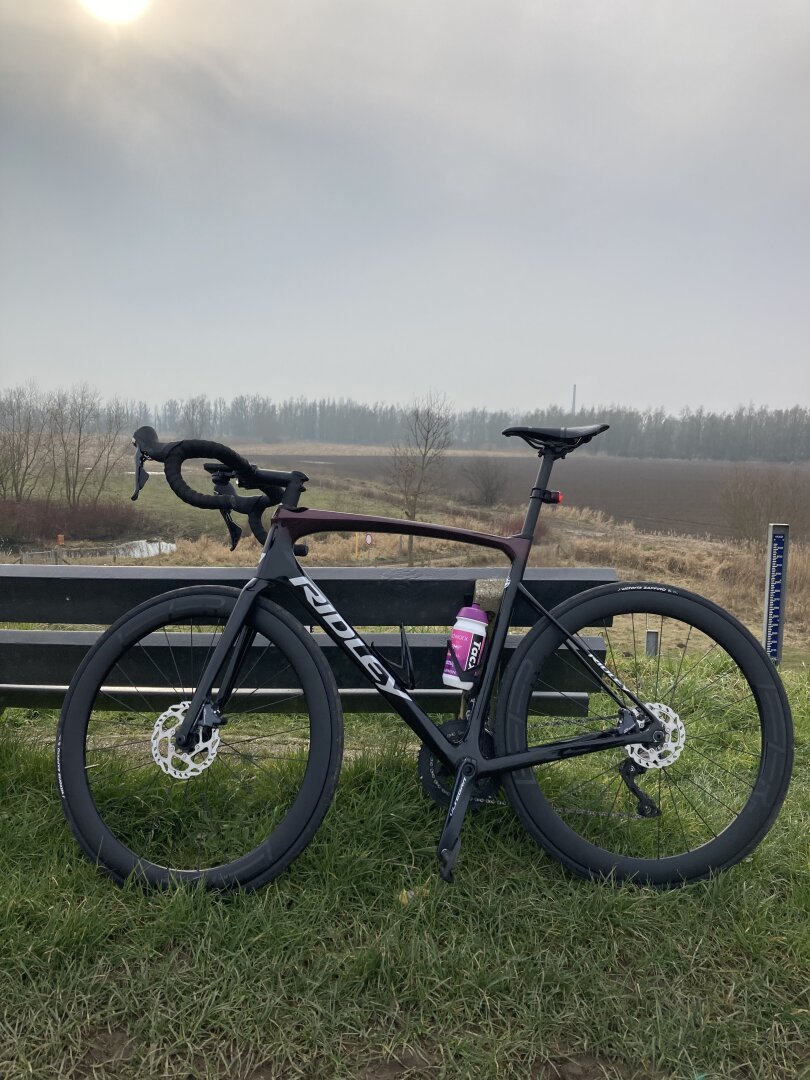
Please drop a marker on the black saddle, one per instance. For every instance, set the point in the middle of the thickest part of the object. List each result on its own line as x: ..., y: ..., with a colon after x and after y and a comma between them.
x: 557, y: 441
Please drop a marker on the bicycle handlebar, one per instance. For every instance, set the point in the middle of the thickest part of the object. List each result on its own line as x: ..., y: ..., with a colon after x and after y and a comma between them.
x: 275, y: 486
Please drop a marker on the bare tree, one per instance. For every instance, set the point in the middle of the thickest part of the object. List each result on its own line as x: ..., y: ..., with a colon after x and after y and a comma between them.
x: 195, y: 417
x: 486, y: 477
x: 753, y: 497
x: 87, y: 441
x: 113, y: 426
x: 416, y: 458
x: 24, y: 442
x: 219, y: 416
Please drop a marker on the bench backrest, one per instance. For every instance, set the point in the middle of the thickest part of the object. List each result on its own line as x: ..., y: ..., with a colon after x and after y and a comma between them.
x: 36, y: 665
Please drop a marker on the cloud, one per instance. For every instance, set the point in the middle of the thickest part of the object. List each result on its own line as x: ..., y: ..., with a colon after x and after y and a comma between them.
x: 574, y: 180
x: 622, y: 91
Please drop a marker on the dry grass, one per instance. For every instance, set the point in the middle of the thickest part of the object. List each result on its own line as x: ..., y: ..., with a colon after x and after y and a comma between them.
x: 728, y: 572
x: 331, y: 549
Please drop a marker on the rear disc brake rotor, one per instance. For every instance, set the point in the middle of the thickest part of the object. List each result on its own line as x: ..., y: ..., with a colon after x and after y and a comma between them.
x: 437, y: 780
x: 667, y: 752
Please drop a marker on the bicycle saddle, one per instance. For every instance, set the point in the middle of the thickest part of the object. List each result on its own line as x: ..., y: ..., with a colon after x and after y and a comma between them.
x: 557, y: 440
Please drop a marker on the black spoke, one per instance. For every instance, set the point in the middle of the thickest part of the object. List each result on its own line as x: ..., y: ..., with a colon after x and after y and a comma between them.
x: 680, y: 664
x: 137, y: 690
x: 97, y: 722
x: 692, y: 806
x: 265, y: 707
x: 585, y: 783
x: 91, y: 748
x: 736, y: 749
x: 253, y: 761
x: 272, y: 734
x: 717, y: 765
x: 675, y: 807
x: 171, y: 654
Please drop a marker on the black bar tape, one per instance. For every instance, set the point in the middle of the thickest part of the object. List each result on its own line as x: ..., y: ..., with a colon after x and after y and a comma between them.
x: 197, y: 448
x: 173, y: 454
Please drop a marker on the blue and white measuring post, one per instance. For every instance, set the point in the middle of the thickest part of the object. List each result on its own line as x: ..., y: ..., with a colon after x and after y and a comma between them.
x: 776, y: 566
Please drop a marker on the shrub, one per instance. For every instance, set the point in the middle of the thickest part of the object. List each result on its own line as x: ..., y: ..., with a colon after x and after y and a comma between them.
x: 39, y: 521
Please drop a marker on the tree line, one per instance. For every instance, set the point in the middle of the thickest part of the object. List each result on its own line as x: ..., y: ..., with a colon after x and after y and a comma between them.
x: 65, y: 444
x: 749, y: 433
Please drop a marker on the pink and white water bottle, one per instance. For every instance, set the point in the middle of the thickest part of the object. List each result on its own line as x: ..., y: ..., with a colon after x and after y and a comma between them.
x: 467, y: 643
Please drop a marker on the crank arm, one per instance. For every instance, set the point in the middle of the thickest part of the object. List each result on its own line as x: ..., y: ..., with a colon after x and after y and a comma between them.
x: 450, y: 840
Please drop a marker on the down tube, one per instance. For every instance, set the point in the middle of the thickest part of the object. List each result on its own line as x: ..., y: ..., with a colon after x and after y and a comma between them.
x: 372, y: 668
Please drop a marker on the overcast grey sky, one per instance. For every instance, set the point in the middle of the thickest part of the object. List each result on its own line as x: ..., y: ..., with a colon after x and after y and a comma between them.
x: 371, y: 198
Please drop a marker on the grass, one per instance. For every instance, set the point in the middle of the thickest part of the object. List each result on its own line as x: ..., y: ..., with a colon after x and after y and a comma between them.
x: 517, y: 970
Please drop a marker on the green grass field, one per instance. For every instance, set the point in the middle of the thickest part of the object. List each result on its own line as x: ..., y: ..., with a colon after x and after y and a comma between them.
x: 518, y: 970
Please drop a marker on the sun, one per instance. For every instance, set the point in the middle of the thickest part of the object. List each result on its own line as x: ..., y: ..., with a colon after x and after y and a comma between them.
x: 116, y: 11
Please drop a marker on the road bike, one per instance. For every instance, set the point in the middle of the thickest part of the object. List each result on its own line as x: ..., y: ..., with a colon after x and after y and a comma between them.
x: 201, y: 737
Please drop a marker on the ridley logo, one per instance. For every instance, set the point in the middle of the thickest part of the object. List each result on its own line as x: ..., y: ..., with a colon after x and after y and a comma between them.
x: 318, y: 602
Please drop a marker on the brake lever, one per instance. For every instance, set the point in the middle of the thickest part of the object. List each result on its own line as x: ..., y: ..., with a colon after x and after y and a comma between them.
x: 222, y: 486
x: 234, y: 532
x: 141, y: 475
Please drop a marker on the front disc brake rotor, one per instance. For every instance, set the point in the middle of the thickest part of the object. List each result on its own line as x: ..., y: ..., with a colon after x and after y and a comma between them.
x: 437, y: 780
x: 182, y: 764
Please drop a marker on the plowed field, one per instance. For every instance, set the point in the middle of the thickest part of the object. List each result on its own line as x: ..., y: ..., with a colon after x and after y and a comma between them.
x: 656, y: 495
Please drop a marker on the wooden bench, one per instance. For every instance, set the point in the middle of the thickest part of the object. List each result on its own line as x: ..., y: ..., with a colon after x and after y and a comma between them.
x: 37, y: 665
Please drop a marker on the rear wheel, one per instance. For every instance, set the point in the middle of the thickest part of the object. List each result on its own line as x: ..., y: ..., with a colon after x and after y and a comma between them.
x: 664, y: 815
x: 235, y: 809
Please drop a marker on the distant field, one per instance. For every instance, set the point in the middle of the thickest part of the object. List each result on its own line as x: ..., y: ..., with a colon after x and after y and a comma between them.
x: 655, y: 495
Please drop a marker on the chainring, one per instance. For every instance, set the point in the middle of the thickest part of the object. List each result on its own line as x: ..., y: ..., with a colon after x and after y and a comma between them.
x: 437, y: 780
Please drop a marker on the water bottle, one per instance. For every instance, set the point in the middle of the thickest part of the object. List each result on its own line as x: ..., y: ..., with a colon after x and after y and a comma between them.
x: 467, y: 643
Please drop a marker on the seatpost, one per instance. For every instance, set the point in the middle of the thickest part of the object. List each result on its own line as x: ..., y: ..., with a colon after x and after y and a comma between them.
x: 536, y: 499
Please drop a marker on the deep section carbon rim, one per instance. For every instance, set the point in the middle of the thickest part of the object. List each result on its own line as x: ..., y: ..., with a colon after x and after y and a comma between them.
x: 241, y: 798
x: 705, y: 795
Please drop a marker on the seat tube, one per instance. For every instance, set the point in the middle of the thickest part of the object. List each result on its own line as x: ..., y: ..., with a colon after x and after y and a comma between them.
x: 535, y: 502
x: 510, y: 593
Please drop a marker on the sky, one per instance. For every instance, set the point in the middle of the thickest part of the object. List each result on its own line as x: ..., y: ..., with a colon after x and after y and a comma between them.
x: 377, y: 198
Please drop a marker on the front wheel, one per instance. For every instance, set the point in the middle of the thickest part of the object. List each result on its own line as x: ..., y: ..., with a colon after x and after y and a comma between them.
x: 237, y: 807
x: 665, y: 815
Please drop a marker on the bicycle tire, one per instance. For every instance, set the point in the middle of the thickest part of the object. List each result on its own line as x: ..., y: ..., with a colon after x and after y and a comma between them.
x: 719, y: 783
x: 264, y: 783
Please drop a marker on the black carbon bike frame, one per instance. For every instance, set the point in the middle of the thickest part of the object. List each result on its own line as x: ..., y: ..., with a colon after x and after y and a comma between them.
x: 278, y: 566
